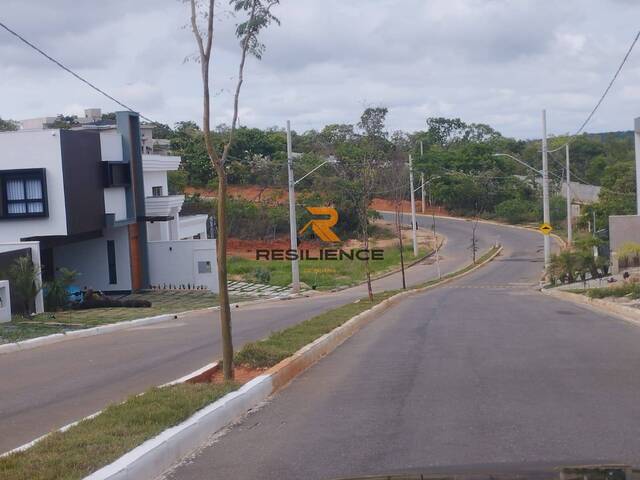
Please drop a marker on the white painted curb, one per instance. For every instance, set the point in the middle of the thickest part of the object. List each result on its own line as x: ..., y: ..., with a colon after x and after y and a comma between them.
x: 66, y: 427
x: 598, y: 305
x: 157, y: 455
x: 165, y: 450
x: 114, y: 327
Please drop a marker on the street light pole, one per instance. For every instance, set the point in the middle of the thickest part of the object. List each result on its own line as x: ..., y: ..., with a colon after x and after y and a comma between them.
x: 424, y: 198
x: 293, y: 228
x: 569, y: 224
x: 545, y: 191
x: 413, y: 209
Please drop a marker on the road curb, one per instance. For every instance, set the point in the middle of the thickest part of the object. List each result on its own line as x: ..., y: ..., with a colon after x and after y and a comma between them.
x: 183, y: 379
x: 114, y: 327
x: 628, y: 314
x: 159, y: 454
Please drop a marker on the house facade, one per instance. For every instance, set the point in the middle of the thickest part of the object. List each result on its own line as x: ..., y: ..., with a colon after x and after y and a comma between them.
x: 95, y: 199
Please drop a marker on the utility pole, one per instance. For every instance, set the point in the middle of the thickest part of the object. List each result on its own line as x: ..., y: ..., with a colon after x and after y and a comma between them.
x: 413, y: 209
x: 545, y: 191
x: 569, y: 224
x: 636, y: 128
x: 424, y: 198
x: 595, y: 247
x: 293, y: 228
x: 435, y: 236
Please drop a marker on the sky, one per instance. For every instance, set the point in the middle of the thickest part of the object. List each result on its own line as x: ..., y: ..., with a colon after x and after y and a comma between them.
x: 498, y: 62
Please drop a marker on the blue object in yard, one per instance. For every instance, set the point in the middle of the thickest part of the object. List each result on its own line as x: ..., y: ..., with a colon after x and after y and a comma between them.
x: 75, y: 294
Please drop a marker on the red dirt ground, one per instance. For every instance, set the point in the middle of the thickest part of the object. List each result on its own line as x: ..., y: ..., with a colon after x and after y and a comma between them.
x: 247, y: 248
x: 241, y: 375
x: 388, y: 205
x: 255, y: 193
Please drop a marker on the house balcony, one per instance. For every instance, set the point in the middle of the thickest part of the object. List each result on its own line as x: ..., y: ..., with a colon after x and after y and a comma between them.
x: 163, y: 206
x: 153, y: 162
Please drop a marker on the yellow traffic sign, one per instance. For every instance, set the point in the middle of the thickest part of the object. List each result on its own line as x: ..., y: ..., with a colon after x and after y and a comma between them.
x: 545, y: 228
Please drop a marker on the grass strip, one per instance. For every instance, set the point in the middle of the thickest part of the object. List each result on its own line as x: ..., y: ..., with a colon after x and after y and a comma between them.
x: 631, y: 290
x: 94, y: 443
x: 284, y: 343
x: 64, y: 321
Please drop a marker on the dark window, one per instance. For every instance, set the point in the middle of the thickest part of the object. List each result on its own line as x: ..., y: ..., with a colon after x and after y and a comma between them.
x: 156, y: 191
x: 111, y: 260
x: 204, y: 267
x: 117, y: 174
x: 24, y: 193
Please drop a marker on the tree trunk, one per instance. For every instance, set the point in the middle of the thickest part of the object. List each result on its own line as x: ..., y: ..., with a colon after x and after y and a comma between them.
x: 365, y: 235
x: 225, y: 310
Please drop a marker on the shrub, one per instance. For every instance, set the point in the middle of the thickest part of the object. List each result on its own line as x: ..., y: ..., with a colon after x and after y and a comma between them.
x: 517, y: 211
x: 632, y: 290
x: 24, y: 277
x: 106, y: 302
x: 56, y: 294
x: 262, y: 274
x: 629, y: 254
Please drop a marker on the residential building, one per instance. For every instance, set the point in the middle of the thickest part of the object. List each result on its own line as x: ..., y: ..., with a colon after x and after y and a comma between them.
x: 625, y: 229
x: 95, y: 199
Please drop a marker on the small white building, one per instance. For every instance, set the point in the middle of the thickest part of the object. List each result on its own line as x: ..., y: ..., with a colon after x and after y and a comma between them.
x: 95, y: 199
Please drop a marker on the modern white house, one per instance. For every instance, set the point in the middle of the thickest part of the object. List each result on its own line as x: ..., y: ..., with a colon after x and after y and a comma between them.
x: 95, y: 199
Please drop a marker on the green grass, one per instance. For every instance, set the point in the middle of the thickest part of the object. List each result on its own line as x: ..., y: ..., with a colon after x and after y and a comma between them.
x: 632, y: 290
x: 323, y: 274
x: 48, y: 323
x: 96, y: 442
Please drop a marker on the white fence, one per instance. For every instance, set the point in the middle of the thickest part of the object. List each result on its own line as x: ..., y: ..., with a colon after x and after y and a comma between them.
x: 183, y: 264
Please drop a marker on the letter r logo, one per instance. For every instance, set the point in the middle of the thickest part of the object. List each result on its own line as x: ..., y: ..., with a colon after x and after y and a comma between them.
x: 322, y: 226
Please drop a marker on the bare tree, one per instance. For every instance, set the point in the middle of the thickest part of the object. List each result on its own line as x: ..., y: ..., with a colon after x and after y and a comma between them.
x: 373, y: 153
x: 259, y: 16
x: 474, y: 239
x: 397, y: 182
x: 435, y: 239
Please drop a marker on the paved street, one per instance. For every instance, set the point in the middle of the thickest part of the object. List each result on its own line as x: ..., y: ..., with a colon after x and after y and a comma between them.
x: 48, y: 387
x: 481, y: 373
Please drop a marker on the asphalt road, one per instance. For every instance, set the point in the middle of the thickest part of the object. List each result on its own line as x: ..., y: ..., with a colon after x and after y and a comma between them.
x: 50, y: 386
x: 482, y: 374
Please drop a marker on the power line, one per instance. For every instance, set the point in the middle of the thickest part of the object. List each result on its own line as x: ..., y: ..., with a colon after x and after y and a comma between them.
x: 615, y: 76
x: 67, y: 69
x: 602, y: 97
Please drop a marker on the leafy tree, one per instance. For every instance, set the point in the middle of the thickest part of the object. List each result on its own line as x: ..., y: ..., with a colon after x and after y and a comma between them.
x: 64, y: 122
x: 160, y: 130
x: 8, y: 125
x: 188, y: 142
x: 517, y: 210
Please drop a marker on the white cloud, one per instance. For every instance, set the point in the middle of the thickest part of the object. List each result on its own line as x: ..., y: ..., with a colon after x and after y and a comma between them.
x: 490, y: 61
